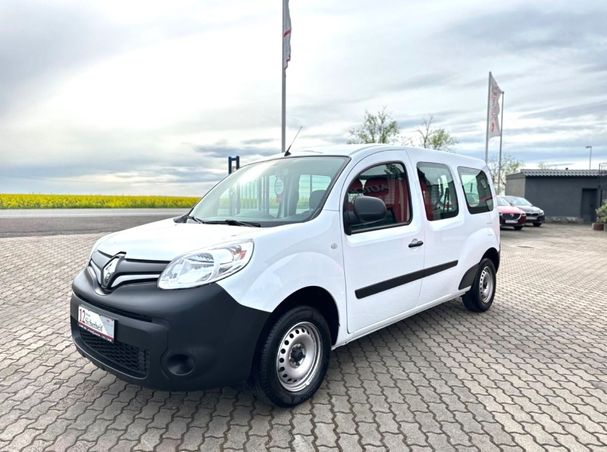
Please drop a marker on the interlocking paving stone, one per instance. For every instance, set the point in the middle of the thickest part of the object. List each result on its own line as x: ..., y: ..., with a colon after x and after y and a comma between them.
x: 529, y: 374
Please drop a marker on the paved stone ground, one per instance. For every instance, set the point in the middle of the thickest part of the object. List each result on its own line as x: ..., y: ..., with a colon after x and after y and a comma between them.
x: 529, y: 374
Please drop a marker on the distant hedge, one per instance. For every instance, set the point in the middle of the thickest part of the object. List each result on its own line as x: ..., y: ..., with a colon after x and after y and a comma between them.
x: 36, y: 201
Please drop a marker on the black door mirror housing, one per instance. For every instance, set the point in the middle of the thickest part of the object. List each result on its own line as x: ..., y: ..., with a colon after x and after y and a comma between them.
x: 369, y: 209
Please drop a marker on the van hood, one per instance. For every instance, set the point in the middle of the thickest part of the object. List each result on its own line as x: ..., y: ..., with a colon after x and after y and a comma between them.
x: 165, y: 240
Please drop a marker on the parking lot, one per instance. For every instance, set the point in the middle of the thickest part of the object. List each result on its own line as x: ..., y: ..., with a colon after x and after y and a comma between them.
x: 529, y: 374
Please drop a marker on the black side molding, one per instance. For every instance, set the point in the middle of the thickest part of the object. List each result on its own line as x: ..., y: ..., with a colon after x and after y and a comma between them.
x: 401, y: 280
x: 468, y: 278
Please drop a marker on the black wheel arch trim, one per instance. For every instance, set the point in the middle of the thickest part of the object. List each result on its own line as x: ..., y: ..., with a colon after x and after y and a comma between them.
x: 468, y: 278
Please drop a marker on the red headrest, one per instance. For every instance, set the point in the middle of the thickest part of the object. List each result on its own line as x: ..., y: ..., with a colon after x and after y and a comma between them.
x: 355, y: 187
x: 376, y: 186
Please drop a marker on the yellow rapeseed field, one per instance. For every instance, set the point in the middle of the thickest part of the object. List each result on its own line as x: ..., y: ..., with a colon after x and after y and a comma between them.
x: 40, y: 201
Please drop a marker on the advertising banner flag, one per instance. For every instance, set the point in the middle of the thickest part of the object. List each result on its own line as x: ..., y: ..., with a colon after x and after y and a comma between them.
x: 286, y: 35
x: 495, y: 94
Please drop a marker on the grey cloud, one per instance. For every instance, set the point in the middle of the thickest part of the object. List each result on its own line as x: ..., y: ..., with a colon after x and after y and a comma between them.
x: 257, y: 141
x: 430, y: 80
x: 538, y: 153
x: 39, y: 40
x: 597, y: 109
x: 174, y: 175
x: 534, y: 27
x: 128, y: 169
x: 409, y: 123
x: 225, y: 151
x: 337, y: 137
x: 597, y: 67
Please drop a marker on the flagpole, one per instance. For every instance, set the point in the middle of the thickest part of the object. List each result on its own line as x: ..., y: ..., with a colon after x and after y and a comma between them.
x: 284, y: 83
x: 499, y: 164
x: 487, y: 129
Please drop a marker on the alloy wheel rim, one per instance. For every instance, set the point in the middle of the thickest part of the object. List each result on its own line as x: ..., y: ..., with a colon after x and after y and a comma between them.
x: 486, y: 285
x: 298, y: 356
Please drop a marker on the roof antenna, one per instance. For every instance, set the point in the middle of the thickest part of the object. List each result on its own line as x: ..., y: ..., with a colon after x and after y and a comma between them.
x: 287, y: 152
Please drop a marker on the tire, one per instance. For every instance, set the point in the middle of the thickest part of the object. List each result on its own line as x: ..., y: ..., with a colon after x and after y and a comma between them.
x: 518, y: 228
x: 537, y: 225
x: 299, y: 337
x: 480, y: 296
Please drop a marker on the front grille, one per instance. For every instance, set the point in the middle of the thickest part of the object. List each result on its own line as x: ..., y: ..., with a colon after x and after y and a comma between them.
x: 127, y: 358
x: 511, y: 216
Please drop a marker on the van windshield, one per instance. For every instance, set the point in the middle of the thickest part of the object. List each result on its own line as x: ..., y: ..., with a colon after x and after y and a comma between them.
x: 270, y: 193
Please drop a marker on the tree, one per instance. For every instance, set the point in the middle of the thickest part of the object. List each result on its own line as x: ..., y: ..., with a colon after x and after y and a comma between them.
x: 376, y: 128
x: 510, y: 165
x: 438, y: 139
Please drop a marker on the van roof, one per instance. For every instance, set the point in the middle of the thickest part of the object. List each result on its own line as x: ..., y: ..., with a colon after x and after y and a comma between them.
x: 359, y: 151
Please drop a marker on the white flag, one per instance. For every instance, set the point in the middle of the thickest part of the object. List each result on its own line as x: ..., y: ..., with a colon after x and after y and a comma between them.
x: 286, y: 34
x: 495, y: 93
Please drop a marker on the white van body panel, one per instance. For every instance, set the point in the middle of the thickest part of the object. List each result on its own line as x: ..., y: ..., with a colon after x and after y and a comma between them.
x: 171, y: 239
x: 382, y: 252
x: 319, y: 253
x: 291, y: 258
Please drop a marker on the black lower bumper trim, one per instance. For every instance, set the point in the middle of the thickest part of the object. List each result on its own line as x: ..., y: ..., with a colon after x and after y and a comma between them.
x: 204, y: 328
x: 128, y: 358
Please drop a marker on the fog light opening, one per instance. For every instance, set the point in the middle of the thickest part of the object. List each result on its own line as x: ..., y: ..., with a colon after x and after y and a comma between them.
x: 180, y: 365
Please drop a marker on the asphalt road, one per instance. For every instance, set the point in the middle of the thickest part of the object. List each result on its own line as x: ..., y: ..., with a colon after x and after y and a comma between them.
x: 42, y: 222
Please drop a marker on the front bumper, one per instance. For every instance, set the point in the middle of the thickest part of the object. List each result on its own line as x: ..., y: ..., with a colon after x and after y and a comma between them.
x: 511, y: 219
x: 169, y: 339
x: 535, y: 218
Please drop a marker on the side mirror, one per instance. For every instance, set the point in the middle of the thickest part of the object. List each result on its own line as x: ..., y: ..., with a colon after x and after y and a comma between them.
x: 369, y: 209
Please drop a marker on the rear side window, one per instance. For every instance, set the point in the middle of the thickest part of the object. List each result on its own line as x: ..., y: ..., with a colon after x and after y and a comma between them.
x: 477, y: 189
x: 388, y: 182
x: 438, y: 190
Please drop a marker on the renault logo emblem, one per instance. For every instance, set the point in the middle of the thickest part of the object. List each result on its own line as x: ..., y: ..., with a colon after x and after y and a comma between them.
x: 109, y: 270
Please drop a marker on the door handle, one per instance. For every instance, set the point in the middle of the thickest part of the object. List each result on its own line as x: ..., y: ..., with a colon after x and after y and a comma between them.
x: 415, y: 243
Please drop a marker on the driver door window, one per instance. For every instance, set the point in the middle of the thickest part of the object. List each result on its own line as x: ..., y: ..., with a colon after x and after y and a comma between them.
x: 388, y: 182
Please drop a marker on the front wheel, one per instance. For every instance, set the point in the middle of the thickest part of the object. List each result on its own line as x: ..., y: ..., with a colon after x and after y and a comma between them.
x: 480, y: 296
x: 293, y: 357
x: 518, y: 228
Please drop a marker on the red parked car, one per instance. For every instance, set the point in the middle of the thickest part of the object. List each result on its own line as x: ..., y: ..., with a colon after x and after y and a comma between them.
x: 510, y: 215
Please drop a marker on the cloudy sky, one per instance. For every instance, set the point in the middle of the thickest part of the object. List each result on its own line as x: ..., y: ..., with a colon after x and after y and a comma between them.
x: 151, y: 97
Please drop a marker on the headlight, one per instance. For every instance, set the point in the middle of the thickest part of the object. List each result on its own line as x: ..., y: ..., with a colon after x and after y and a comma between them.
x: 206, y: 266
x: 541, y: 212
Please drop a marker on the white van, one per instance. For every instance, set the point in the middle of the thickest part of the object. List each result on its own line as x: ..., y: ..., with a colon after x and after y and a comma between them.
x: 284, y: 260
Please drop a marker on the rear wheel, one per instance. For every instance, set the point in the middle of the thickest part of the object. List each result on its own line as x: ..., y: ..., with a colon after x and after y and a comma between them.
x: 480, y: 296
x: 293, y: 357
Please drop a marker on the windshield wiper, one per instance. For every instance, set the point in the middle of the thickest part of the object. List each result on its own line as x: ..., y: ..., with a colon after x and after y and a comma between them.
x: 185, y: 218
x: 233, y: 222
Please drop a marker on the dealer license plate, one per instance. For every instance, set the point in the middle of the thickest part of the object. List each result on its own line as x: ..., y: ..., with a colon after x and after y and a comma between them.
x: 96, y: 323
x: 511, y: 221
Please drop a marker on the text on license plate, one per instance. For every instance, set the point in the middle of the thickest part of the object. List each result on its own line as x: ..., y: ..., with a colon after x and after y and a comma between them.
x: 96, y: 323
x: 511, y: 221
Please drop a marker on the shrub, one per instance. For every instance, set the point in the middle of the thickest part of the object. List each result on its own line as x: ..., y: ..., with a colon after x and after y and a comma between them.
x: 601, y: 214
